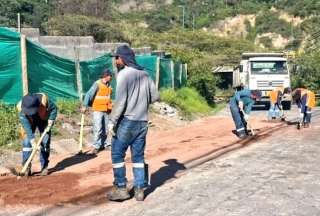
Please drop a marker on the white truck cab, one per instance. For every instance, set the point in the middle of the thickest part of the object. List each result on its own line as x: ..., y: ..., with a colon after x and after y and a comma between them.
x: 264, y: 72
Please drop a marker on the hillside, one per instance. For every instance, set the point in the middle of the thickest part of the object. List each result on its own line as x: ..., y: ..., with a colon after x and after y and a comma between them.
x: 202, y: 33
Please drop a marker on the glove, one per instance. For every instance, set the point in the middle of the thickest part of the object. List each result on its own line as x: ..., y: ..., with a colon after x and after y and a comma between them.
x: 33, y: 142
x: 246, y: 117
x: 50, y: 125
x: 84, y: 110
x: 111, y: 129
x: 240, y: 105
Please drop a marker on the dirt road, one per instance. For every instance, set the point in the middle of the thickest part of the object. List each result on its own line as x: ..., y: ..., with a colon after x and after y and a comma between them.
x: 83, y: 180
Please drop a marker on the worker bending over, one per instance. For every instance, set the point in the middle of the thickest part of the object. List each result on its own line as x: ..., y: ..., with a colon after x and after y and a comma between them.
x: 240, y: 105
x: 305, y: 100
x: 36, y: 111
x: 276, y: 96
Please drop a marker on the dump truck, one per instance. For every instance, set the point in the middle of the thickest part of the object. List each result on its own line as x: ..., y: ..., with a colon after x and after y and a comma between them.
x: 264, y: 72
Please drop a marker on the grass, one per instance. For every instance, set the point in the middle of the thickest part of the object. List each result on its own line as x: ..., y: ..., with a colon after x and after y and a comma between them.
x: 188, y: 101
x: 9, y: 122
x: 68, y: 107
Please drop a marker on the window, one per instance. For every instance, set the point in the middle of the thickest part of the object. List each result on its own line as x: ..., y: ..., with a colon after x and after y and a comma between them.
x: 269, y: 67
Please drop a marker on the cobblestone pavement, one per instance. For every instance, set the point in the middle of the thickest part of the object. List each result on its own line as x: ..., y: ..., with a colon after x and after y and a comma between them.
x: 279, y: 175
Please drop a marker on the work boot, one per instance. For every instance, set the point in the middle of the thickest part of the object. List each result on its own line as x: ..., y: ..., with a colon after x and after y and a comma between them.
x: 242, y: 135
x: 118, y: 194
x: 139, y: 194
x: 94, y: 151
x: 44, y: 171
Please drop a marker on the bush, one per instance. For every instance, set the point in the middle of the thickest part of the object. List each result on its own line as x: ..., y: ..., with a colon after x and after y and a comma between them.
x: 68, y: 107
x: 9, y: 122
x: 78, y: 25
x: 308, y: 72
x: 187, y: 100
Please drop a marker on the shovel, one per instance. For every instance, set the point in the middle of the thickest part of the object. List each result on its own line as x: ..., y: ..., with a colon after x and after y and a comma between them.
x: 81, y: 134
x: 33, y: 153
x: 249, y: 125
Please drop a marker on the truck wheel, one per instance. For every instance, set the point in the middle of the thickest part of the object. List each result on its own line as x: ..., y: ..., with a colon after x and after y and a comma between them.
x: 267, y: 106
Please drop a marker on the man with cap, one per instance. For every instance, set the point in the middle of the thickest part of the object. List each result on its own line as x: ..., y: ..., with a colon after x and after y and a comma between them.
x: 99, y: 98
x: 240, y: 106
x: 129, y: 123
x: 36, y: 111
x: 276, y: 96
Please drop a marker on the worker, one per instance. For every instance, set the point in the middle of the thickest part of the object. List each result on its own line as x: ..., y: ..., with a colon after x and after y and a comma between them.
x: 276, y: 97
x: 36, y: 111
x: 129, y: 123
x: 305, y: 100
x: 99, y: 98
x: 240, y: 106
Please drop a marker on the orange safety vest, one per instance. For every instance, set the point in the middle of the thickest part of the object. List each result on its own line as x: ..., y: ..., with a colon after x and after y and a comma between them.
x: 102, y: 101
x: 274, y: 94
x: 311, y: 97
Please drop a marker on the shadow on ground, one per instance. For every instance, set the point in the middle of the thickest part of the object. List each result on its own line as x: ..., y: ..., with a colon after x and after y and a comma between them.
x: 164, y: 174
x: 70, y: 161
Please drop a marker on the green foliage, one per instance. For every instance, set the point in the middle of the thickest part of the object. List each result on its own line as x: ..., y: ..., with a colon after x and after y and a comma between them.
x: 308, y: 72
x: 9, y: 122
x: 266, y: 41
x: 68, y: 107
x: 269, y: 21
x: 303, y: 8
x: 71, y: 25
x: 202, y: 79
x: 187, y: 100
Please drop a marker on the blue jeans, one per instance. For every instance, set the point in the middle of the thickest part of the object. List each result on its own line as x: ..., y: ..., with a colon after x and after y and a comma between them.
x: 100, y: 126
x: 44, y: 150
x: 307, y: 112
x: 274, y: 111
x: 237, y: 118
x: 133, y: 134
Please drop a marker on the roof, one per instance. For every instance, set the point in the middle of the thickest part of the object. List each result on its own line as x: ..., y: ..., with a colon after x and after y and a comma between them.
x: 267, y: 59
x: 251, y: 55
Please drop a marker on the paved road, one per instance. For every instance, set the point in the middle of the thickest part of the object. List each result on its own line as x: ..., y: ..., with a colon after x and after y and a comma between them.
x: 279, y: 175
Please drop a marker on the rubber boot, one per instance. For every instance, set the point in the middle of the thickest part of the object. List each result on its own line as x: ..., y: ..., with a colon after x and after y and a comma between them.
x: 118, y: 194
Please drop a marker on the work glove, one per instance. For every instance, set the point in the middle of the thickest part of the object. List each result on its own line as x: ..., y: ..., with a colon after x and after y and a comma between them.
x: 50, y: 125
x: 246, y: 117
x: 33, y: 142
x: 111, y: 129
x: 240, y: 105
x: 84, y: 110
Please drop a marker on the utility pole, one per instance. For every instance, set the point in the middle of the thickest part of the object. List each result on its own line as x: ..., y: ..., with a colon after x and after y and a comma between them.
x: 193, y: 22
x: 18, y: 22
x: 183, y: 14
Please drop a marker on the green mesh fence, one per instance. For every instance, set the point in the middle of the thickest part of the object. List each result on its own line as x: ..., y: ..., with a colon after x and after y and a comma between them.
x: 57, y: 76
x: 184, y: 75
x: 165, y: 80
x: 10, y: 67
x: 50, y: 74
x: 92, y: 70
x: 177, y: 75
x: 150, y: 65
